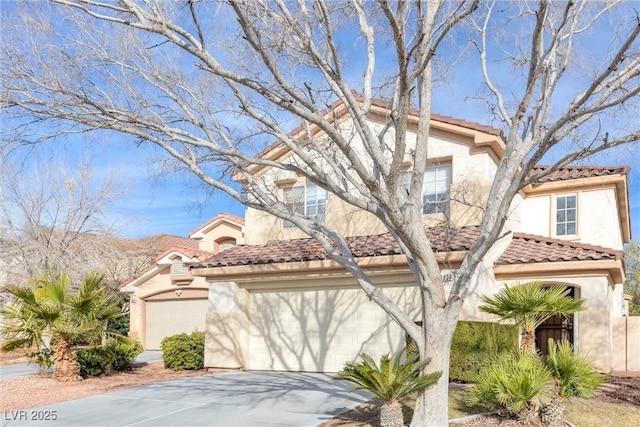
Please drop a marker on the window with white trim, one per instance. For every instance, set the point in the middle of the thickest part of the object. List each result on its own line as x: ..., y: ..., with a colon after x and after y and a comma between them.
x: 436, y: 189
x: 567, y: 215
x: 307, y: 200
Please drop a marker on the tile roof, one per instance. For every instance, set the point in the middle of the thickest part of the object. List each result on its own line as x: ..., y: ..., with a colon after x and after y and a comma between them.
x: 443, y: 240
x: 221, y: 215
x: 527, y: 248
x: 577, y: 172
x: 160, y: 242
x: 189, y: 252
x: 523, y: 248
x: 445, y: 119
x: 382, y: 103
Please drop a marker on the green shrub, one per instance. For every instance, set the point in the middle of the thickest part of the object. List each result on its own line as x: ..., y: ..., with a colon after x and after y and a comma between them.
x: 42, y: 359
x: 473, y: 345
x: 125, y: 354
x: 514, y: 381
x: 116, y: 356
x: 95, y: 361
x: 183, y: 352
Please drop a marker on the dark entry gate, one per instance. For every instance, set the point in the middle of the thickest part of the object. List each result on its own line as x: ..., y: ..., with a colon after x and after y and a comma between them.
x: 556, y: 327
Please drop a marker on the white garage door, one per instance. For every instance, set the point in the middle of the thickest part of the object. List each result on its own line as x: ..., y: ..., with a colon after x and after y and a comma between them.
x: 318, y: 331
x: 165, y: 318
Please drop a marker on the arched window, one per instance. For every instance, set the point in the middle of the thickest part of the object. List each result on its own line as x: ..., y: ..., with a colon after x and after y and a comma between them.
x: 225, y: 243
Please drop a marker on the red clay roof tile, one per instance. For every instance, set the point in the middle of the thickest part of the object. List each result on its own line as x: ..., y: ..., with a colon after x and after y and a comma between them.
x: 523, y: 248
x: 577, y: 172
x: 526, y: 248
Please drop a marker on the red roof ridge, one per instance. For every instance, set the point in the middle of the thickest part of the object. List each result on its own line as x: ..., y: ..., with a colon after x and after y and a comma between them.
x: 577, y: 245
x: 221, y: 215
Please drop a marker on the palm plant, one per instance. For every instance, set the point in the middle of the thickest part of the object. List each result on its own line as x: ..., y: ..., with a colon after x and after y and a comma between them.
x: 391, y: 381
x: 49, y: 315
x: 529, y: 305
x: 573, y: 374
x: 515, y: 382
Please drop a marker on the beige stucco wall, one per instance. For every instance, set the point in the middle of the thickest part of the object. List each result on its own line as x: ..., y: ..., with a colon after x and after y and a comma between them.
x: 598, y: 222
x: 472, y: 172
x: 626, y: 335
x: 317, y: 322
x: 222, y: 231
x: 157, y: 284
x: 593, y: 328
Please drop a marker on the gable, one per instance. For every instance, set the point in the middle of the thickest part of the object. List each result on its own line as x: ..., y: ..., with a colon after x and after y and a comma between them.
x: 478, y: 138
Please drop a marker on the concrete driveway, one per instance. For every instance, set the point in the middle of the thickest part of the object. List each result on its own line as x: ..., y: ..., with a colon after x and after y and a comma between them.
x: 24, y: 369
x: 228, y: 399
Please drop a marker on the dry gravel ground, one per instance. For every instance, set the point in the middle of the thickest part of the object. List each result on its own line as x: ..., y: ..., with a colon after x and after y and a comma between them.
x: 619, y: 390
x: 29, y: 392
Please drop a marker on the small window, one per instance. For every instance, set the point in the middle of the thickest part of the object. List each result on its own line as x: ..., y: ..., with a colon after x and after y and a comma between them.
x: 307, y: 200
x: 436, y: 190
x: 226, y: 244
x: 566, y: 215
x: 177, y: 267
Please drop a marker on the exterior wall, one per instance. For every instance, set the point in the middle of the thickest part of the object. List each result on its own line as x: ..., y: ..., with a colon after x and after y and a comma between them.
x: 593, y: 328
x: 221, y: 231
x: 598, y: 219
x: 626, y: 335
x: 472, y: 173
x: 159, y: 285
x: 226, y: 334
x: 533, y: 216
x: 598, y: 222
x: 313, y: 323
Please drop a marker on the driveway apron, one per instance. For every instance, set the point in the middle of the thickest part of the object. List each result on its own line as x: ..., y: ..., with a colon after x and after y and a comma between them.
x: 228, y: 399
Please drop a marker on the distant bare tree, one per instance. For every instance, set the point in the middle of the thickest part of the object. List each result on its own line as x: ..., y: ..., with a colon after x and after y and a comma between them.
x: 56, y: 217
x: 212, y: 83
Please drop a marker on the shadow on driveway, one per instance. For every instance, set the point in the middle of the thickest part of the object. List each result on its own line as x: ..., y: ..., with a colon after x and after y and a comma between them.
x: 228, y: 399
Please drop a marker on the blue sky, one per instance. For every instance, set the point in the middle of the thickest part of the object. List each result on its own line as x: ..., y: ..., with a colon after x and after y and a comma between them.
x: 177, y: 204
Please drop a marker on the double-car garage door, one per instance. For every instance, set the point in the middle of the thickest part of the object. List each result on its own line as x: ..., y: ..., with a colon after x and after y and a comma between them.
x: 169, y: 317
x: 319, y: 330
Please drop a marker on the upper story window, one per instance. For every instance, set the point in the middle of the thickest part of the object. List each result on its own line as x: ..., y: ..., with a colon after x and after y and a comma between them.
x: 567, y: 215
x: 307, y: 200
x: 436, y: 189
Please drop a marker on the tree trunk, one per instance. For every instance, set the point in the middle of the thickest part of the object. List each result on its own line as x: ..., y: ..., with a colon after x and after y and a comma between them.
x: 432, y: 405
x: 391, y: 414
x: 65, y: 363
x: 528, y: 340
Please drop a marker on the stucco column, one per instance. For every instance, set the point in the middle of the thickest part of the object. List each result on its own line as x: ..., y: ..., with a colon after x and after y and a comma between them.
x: 227, y: 328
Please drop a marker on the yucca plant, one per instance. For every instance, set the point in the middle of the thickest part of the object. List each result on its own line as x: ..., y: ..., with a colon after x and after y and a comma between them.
x: 391, y: 381
x: 529, y: 305
x: 573, y: 374
x: 513, y: 382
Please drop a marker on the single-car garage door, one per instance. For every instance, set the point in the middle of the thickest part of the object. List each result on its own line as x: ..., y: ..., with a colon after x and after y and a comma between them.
x: 319, y: 330
x: 170, y: 317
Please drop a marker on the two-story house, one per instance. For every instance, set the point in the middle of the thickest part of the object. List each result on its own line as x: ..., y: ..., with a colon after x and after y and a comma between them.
x: 277, y: 303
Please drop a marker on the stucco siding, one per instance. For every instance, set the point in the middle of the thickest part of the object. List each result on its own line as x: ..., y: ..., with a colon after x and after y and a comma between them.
x: 598, y: 219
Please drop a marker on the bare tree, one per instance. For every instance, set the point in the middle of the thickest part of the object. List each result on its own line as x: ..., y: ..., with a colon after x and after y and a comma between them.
x: 212, y: 83
x: 56, y: 217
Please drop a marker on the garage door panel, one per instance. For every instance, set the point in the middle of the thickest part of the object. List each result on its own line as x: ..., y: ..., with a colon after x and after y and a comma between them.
x: 318, y: 331
x: 169, y: 317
